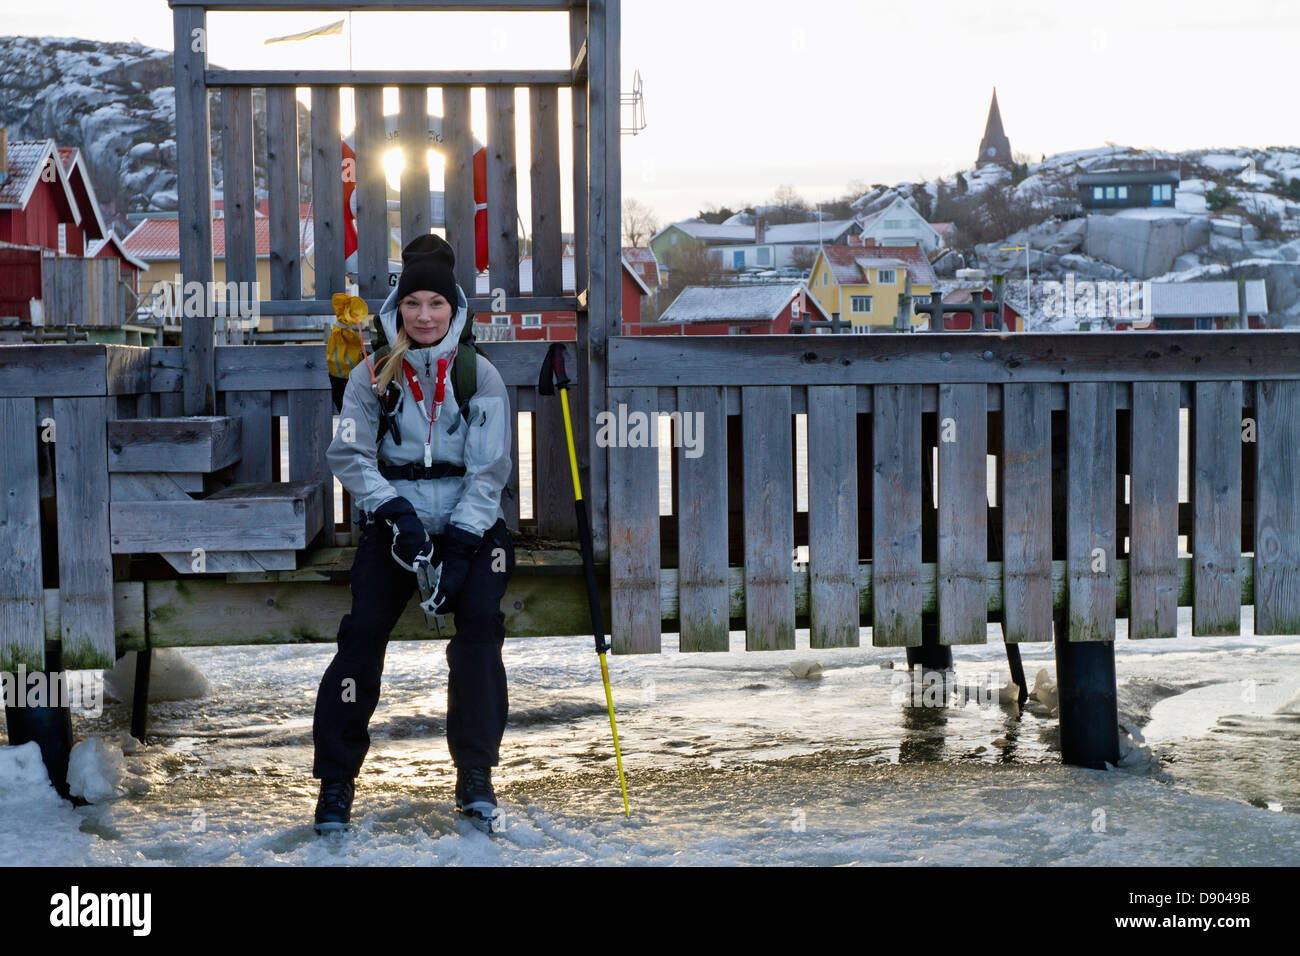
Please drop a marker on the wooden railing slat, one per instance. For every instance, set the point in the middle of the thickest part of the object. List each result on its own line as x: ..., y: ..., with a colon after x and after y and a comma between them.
x: 1025, y: 475
x: 1216, y: 499
x: 1153, y: 506
x: 1277, y: 508
x: 282, y: 185
x: 22, y: 611
x: 327, y: 192
x: 1090, y: 517
x: 769, y: 518
x: 702, y: 523
x: 372, y: 197
x: 832, y: 516
x: 634, y: 551
x: 963, y: 513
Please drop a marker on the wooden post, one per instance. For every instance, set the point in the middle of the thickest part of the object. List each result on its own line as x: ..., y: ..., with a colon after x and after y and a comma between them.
x: 372, y: 198
x: 458, y: 185
x: 22, y: 612
x: 282, y: 185
x: 238, y: 217
x: 414, y: 128
x: 194, y: 200
x: 327, y: 191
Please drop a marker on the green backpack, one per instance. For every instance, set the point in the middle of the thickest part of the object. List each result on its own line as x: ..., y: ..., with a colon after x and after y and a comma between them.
x: 464, y: 370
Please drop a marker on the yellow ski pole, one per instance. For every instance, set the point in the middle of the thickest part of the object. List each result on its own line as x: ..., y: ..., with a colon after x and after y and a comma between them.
x: 553, y: 376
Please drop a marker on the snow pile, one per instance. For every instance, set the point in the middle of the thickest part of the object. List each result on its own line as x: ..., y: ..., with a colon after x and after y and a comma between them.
x: 23, y: 780
x: 95, y: 769
x: 171, y: 677
x: 804, y: 670
x: 1045, y: 691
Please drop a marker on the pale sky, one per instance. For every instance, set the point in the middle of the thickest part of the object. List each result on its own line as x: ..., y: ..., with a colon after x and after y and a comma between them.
x: 743, y: 97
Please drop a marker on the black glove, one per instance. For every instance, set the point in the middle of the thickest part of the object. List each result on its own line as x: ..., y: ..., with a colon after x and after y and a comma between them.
x: 456, y: 555
x: 410, y: 540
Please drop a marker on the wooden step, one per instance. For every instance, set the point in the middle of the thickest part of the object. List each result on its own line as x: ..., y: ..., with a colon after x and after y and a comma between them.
x: 194, y: 445
x: 268, y: 517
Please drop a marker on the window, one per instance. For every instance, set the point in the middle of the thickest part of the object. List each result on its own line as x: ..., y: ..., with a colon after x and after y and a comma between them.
x: 1097, y: 192
x: 533, y: 320
x: 893, y: 224
x: 500, y: 320
x: 1121, y: 192
x: 1110, y: 192
x: 1162, y: 192
x: 886, y: 276
x: 921, y: 299
x: 765, y: 256
x: 738, y: 259
x: 861, y: 303
x: 736, y: 330
x: 861, y: 329
x: 672, y: 238
x: 63, y: 237
x: 826, y: 278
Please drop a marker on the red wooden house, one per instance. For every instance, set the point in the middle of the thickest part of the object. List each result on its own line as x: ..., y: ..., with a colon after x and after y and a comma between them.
x: 735, y: 310
x: 960, y: 321
x: 554, y: 326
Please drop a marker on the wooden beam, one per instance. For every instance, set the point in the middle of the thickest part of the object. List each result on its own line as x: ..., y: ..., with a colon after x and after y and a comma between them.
x: 282, y: 185
x: 953, y: 357
x: 327, y: 192
x: 502, y: 192
x: 372, y: 197
x: 190, y: 38
x: 458, y: 183
x: 237, y: 190
x: 425, y: 78
x: 22, y: 609
x: 413, y: 131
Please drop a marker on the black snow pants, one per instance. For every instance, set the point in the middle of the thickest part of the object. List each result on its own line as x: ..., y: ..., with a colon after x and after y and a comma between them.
x: 477, y: 701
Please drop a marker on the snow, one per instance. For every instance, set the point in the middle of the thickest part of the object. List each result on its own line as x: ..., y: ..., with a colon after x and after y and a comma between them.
x: 95, y: 768
x: 1223, y: 161
x: 171, y: 677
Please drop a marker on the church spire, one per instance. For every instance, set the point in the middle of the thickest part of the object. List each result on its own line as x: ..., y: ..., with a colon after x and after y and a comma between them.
x: 994, y: 147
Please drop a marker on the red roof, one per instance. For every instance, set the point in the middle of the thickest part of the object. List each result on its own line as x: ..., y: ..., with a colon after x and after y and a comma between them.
x: 644, y: 264
x: 843, y: 261
x: 160, y: 238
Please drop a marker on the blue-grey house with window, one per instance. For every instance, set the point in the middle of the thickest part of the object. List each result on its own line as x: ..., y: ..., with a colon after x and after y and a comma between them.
x: 1125, y: 190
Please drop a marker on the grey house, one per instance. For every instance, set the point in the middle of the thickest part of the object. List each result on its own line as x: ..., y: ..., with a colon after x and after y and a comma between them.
x: 1124, y: 190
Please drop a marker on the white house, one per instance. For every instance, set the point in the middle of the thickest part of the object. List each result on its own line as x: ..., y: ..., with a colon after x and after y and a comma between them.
x: 898, y: 224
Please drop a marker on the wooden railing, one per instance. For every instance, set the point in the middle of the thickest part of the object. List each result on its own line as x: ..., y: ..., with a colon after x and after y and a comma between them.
x: 1085, y: 518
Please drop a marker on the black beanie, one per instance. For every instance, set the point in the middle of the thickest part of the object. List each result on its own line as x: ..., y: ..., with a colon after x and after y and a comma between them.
x: 428, y: 262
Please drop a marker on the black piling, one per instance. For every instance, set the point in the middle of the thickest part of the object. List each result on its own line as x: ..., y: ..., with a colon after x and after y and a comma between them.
x: 1089, y: 716
x: 140, y: 696
x: 50, y: 727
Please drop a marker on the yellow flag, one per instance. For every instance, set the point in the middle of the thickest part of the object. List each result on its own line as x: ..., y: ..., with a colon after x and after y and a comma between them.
x: 330, y: 29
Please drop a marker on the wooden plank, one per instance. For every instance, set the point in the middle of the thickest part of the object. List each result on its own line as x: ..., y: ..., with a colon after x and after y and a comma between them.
x: 327, y: 191
x: 963, y: 513
x: 896, y: 515
x: 273, y: 517
x: 413, y: 126
x: 832, y: 516
x: 510, y: 494
x: 552, y: 479
x: 282, y: 186
x: 502, y: 186
x: 231, y: 562
x: 145, y: 486
x: 85, y: 566
x: 1090, y: 516
x: 458, y: 184
x: 35, y: 370
x: 1153, y: 509
x: 499, y: 6
x: 634, y: 548
x: 272, y: 367
x: 578, y: 41
x: 237, y: 189
x: 425, y: 78
x: 702, y: 522
x: 193, y: 444
x: 544, y: 174
x: 22, y: 607
x: 372, y: 196
x: 311, y: 428
x: 1216, y: 498
x: 1277, y: 508
x: 1026, y: 499
x: 194, y: 201
x: 253, y: 409
x: 126, y: 370
x: 663, y: 360
x: 769, y: 518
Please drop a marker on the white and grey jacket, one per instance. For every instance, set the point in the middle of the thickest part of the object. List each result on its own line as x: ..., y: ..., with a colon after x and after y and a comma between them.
x: 472, y: 501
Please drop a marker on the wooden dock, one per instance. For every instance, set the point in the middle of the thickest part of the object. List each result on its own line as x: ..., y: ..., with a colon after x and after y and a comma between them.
x: 146, y: 506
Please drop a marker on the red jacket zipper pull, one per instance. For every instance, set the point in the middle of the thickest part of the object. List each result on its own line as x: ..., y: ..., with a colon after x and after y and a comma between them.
x: 441, y: 388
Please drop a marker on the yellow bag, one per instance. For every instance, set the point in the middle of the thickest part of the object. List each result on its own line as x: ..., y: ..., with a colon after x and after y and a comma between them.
x: 343, y: 347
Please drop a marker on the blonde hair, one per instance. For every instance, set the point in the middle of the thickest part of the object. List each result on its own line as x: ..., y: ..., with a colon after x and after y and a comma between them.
x: 393, y: 360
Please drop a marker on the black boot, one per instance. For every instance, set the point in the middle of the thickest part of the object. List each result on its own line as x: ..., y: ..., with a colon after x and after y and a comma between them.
x: 334, y: 805
x: 475, y: 798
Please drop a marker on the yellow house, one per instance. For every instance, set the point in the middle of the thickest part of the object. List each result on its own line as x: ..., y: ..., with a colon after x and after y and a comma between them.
x: 156, y: 240
x: 861, y: 284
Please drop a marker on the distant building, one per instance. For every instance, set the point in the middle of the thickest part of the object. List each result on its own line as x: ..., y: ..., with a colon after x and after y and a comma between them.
x: 741, y: 247
x: 1125, y: 190
x: 861, y: 284
x: 1204, y: 305
x: 551, y: 326
x: 994, y: 147
x: 643, y: 262
x: 960, y: 321
x: 735, y: 310
x: 899, y: 224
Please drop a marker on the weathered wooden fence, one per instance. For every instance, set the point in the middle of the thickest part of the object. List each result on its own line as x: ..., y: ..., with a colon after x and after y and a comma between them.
x: 1086, y: 517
